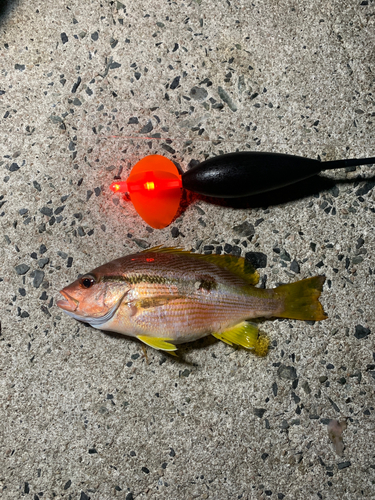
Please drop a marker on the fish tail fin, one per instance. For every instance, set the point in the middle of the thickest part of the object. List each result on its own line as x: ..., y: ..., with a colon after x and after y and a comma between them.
x: 246, y: 335
x: 301, y: 299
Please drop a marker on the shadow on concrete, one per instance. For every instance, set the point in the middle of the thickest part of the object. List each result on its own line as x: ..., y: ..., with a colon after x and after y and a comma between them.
x: 177, y: 358
x: 294, y: 192
x: 6, y: 7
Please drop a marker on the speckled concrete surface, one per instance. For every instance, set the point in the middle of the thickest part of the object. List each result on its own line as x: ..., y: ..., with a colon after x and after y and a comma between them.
x: 86, y: 89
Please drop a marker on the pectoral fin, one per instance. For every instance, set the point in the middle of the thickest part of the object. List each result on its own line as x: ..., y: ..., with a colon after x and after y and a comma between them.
x: 246, y: 335
x: 158, y: 343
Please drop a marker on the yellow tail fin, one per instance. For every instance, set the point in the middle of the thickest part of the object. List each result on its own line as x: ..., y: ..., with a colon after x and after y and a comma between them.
x: 301, y: 299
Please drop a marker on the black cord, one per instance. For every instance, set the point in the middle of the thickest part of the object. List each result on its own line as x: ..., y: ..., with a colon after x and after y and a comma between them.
x: 354, y: 162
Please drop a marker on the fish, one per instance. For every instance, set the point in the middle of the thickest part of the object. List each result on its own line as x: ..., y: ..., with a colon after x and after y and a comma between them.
x: 169, y: 296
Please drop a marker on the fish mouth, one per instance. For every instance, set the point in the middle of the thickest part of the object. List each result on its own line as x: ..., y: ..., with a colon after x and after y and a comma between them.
x: 68, y: 304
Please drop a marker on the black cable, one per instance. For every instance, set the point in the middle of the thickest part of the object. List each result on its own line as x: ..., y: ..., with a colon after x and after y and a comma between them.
x: 354, y: 162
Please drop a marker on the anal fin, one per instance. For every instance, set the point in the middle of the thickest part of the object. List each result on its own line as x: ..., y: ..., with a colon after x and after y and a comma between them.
x: 244, y: 334
x: 158, y: 343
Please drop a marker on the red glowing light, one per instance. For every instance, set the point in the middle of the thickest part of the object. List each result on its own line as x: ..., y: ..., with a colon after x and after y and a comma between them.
x: 152, y: 182
x: 119, y: 187
x: 150, y: 260
x: 154, y: 185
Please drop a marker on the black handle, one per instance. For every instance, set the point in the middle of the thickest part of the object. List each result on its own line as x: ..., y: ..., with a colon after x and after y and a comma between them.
x: 242, y: 174
x: 246, y: 173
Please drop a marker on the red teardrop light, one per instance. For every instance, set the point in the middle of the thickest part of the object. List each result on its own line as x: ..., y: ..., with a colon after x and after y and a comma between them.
x: 154, y: 185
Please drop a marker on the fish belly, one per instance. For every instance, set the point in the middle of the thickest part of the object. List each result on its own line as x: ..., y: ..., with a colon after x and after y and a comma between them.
x: 184, y: 319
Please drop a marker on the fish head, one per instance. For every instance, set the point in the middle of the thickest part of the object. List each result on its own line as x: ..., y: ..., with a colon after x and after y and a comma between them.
x: 92, y: 298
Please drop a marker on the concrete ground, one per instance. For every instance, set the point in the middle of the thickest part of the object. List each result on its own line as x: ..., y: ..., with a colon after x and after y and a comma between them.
x: 89, y: 87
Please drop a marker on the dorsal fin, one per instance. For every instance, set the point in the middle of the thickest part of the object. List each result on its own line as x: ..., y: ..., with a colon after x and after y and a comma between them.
x: 236, y: 265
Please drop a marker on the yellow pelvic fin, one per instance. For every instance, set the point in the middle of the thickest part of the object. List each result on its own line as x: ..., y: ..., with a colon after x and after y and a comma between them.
x: 236, y: 265
x: 158, y: 343
x: 244, y: 334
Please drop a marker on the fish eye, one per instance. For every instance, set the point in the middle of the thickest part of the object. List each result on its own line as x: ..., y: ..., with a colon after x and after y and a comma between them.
x: 87, y: 281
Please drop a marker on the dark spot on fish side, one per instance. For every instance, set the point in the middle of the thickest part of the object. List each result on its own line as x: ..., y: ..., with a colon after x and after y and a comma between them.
x: 206, y: 283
